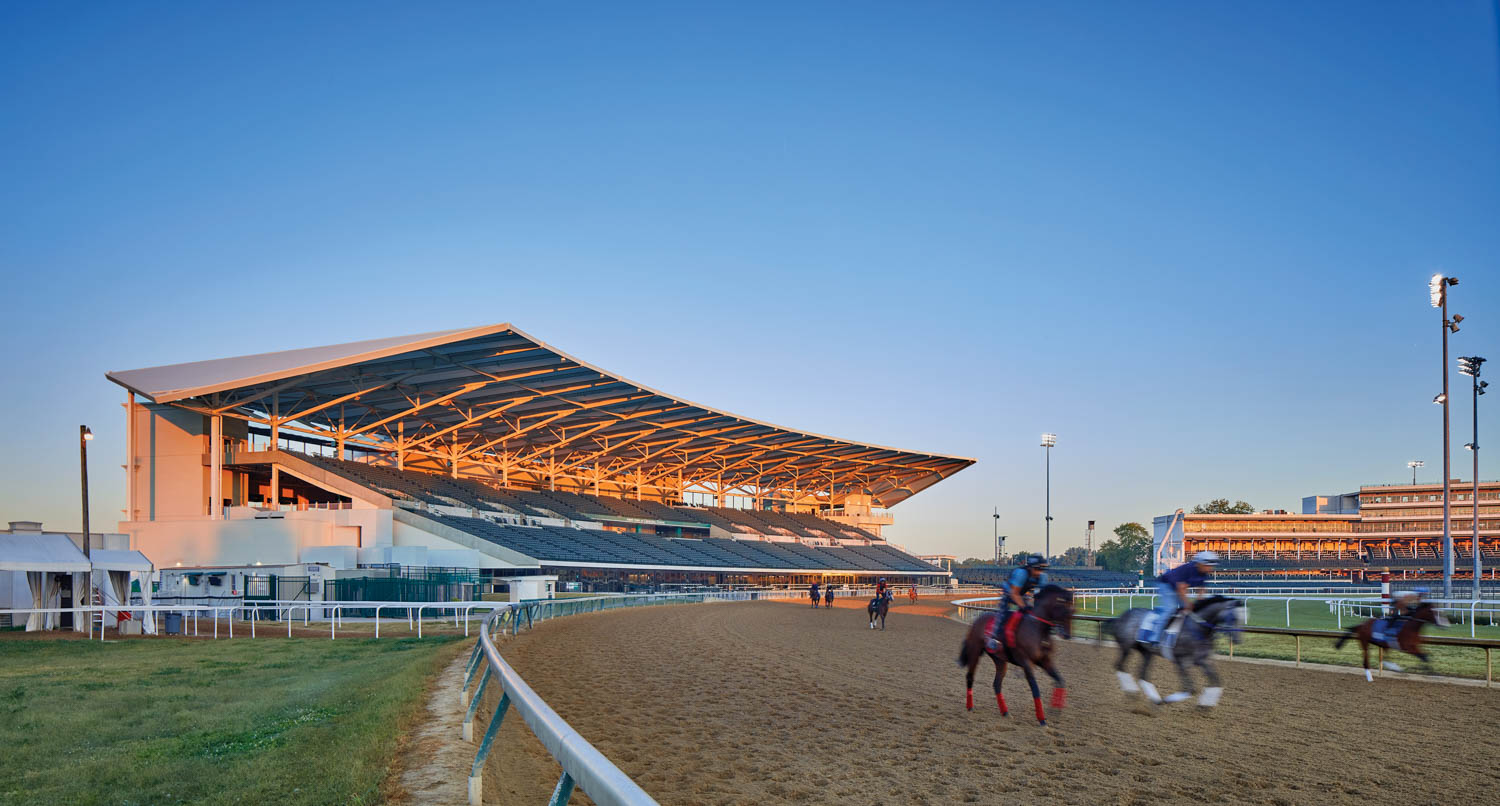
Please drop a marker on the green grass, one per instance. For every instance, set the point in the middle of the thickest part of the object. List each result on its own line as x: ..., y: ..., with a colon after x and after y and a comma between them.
x: 1448, y: 660
x: 274, y: 720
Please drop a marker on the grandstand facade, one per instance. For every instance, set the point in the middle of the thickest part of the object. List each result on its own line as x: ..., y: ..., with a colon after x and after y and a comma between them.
x: 487, y: 449
x: 1397, y: 527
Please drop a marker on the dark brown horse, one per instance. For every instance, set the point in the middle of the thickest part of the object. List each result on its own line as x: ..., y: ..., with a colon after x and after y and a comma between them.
x: 1408, y: 637
x: 1053, y: 610
x: 828, y: 596
x: 878, y: 608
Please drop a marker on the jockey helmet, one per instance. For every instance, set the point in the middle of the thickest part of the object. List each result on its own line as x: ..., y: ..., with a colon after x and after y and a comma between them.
x: 1420, y: 591
x: 1206, y: 557
x: 1036, y: 561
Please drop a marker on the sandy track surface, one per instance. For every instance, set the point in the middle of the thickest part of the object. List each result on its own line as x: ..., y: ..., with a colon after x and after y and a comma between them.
x: 771, y: 703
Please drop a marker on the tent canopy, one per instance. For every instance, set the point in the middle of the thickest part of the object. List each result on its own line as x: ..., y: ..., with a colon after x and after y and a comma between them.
x: 113, y: 560
x: 43, y: 552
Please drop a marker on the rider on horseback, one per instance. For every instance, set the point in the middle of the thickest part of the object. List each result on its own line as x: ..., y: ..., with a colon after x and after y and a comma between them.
x: 1021, y: 582
x: 1172, y: 598
x: 1403, y: 604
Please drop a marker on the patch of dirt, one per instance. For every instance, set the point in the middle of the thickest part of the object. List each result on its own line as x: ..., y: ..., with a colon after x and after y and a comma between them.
x: 432, y: 766
x: 752, y: 703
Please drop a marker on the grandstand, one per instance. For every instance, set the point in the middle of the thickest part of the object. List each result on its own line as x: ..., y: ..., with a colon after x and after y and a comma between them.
x: 487, y: 449
x: 992, y: 574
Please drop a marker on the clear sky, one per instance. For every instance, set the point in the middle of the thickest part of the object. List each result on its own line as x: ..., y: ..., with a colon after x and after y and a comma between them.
x: 1192, y: 239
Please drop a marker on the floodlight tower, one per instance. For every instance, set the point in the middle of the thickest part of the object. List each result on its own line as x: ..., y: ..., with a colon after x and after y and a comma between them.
x: 1414, y: 465
x: 1048, y: 442
x: 1469, y: 365
x: 84, y: 435
x: 999, y: 541
x: 1437, y: 289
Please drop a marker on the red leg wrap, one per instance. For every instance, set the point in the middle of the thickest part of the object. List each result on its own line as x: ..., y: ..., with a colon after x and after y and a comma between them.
x: 1059, y: 698
x: 1041, y: 716
x: 969, y: 702
x: 1000, y: 699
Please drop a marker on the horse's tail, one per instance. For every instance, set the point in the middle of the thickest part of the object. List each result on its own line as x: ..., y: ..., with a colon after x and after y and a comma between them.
x: 1348, y: 633
x: 965, y: 653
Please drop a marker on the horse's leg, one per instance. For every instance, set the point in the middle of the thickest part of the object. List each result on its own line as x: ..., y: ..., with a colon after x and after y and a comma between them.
x: 1213, y: 690
x: 1000, y: 678
x: 1036, y: 691
x: 975, y: 653
x: 1127, y: 680
x: 1147, y: 687
x: 1059, y: 688
x: 1364, y: 648
x: 1188, y: 689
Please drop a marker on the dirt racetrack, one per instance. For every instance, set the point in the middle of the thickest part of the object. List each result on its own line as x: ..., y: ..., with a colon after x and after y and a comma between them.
x: 775, y: 702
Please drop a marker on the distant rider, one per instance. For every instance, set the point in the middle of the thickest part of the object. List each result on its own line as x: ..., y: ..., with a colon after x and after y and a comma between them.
x: 881, y: 588
x: 1403, y: 604
x: 814, y: 594
x: 1172, y: 596
x: 1013, y: 606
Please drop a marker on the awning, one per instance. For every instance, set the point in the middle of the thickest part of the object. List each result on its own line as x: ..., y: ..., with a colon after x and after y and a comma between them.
x: 114, y: 560
x: 43, y: 552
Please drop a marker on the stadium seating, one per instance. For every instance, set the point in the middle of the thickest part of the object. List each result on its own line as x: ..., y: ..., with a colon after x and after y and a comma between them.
x: 422, y: 491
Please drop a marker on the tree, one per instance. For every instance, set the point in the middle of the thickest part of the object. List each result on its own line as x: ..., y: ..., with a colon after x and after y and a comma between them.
x: 1221, y: 506
x: 1074, y: 556
x: 1129, y: 552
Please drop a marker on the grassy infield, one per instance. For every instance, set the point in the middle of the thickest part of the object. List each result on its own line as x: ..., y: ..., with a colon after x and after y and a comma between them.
x: 1456, y: 661
x: 279, y: 720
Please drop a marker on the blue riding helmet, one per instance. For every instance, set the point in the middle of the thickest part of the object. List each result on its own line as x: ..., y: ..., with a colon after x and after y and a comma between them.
x: 1420, y: 591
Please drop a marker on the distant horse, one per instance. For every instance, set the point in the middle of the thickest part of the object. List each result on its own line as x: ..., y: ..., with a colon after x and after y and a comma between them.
x: 1052, y: 609
x: 912, y: 594
x: 812, y: 593
x: 827, y: 596
x: 1194, y: 646
x: 877, y: 608
x: 1408, y: 638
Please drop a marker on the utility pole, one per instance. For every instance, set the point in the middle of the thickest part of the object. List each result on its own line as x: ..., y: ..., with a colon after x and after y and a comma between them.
x: 1438, y: 289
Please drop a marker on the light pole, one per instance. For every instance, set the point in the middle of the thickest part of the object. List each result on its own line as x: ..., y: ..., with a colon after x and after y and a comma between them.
x: 84, y: 435
x: 1469, y: 365
x: 999, y: 544
x: 1437, y: 287
x: 1048, y: 441
x: 1414, y: 466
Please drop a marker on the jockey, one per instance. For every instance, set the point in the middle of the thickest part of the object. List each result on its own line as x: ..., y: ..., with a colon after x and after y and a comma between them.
x: 1402, y: 605
x: 880, y: 588
x: 1021, y: 582
x: 1172, y: 596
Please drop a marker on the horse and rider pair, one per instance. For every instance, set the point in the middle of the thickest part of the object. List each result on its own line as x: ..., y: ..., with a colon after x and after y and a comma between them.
x: 880, y: 605
x: 1020, y: 633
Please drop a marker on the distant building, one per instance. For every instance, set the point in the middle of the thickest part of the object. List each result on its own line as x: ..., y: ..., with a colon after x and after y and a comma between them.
x: 1346, y: 504
x: 1398, y: 526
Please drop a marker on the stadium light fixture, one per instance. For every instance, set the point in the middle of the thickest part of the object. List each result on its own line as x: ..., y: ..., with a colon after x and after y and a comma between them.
x: 1414, y: 465
x: 1437, y: 289
x: 1470, y: 365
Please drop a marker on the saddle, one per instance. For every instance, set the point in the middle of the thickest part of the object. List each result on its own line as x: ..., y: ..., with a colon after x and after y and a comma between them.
x: 1384, y: 631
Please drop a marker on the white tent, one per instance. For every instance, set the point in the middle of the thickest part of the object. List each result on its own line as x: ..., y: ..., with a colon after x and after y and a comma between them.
x: 117, y: 567
x: 44, y: 558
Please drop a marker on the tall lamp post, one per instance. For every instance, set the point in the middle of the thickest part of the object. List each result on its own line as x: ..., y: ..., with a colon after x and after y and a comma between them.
x: 1438, y: 289
x: 84, y: 435
x: 1048, y: 441
x: 999, y: 544
x: 1414, y: 466
x: 1469, y: 365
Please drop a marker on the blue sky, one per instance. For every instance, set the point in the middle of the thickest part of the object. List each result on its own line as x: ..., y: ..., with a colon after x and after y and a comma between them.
x: 1191, y: 239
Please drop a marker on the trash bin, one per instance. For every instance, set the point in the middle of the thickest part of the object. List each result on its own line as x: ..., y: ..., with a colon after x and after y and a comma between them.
x: 173, y: 624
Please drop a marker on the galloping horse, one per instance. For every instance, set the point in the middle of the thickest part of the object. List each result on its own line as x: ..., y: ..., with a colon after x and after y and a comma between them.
x: 1194, y: 647
x: 828, y: 596
x: 1053, y: 609
x: 1408, y: 638
x: 877, y: 608
x: 812, y: 593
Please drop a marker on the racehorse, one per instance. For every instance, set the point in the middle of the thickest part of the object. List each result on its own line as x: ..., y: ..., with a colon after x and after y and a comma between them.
x: 912, y: 594
x: 1408, y: 639
x: 1194, y: 647
x: 812, y: 593
x: 1052, y: 609
x: 877, y: 608
x: 827, y: 596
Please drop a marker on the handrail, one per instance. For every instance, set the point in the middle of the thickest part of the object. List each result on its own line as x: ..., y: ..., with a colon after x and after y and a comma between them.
x: 582, y: 764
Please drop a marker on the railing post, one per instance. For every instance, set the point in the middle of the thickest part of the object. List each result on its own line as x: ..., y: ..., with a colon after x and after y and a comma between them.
x: 476, y: 779
x: 468, y: 724
x: 563, y: 792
